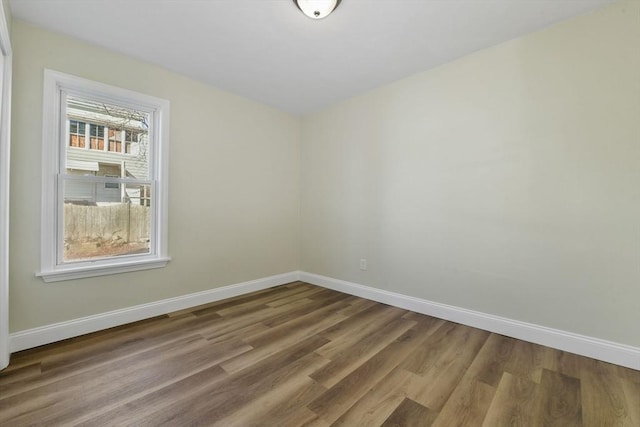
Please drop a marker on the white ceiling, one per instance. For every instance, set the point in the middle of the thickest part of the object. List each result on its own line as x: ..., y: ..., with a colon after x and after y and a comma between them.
x: 267, y: 50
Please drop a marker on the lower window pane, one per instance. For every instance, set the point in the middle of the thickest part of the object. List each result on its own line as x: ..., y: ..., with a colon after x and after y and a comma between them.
x: 105, y: 220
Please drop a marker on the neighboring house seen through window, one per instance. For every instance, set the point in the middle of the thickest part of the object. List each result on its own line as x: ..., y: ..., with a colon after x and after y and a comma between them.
x: 108, y: 199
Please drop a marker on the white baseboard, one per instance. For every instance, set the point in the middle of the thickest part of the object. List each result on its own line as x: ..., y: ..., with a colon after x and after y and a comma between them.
x: 59, y: 331
x: 607, y: 351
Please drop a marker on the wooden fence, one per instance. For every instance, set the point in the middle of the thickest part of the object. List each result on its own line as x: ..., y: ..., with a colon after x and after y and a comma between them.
x: 124, y: 221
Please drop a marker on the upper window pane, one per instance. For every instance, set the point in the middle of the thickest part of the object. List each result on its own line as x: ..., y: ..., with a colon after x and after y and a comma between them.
x: 107, y: 126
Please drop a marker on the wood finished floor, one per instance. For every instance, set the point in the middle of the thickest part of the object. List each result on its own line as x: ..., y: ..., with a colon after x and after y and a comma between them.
x: 302, y: 355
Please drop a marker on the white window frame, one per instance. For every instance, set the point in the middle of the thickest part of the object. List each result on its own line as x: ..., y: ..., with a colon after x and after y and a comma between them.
x: 54, y: 143
x: 5, y: 151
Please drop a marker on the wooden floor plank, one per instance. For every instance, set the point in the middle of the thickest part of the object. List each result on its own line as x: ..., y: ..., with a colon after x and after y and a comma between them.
x: 353, y: 355
x: 492, y: 359
x: 281, y: 294
x: 20, y: 375
x: 221, y: 401
x: 629, y: 374
x: 278, y: 406
x: 49, y: 404
x: 560, y: 400
x: 426, y: 356
x: 228, y: 325
x: 237, y: 388
x: 306, y: 293
x: 300, y: 355
x: 527, y: 360
x: 410, y: 414
x: 516, y: 403
x: 359, y: 304
x: 467, y: 405
x: 444, y: 375
x: 603, y: 398
x: 349, y: 390
x: 632, y: 397
x: 134, y: 411
x: 379, y: 403
x: 109, y: 344
x: 310, y: 304
x: 360, y: 324
x: 567, y: 364
x: 264, y: 296
x: 273, y: 340
x: 253, y: 328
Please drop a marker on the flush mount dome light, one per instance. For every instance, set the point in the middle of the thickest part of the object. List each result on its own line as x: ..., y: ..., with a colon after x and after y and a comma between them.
x: 317, y: 9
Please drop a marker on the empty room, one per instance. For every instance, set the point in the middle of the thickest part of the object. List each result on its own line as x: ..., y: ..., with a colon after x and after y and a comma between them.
x: 320, y: 213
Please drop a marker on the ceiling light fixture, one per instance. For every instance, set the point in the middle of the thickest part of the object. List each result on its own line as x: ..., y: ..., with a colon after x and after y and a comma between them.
x: 317, y: 9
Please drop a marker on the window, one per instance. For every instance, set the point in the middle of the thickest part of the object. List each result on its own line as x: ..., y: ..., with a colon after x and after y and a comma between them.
x: 112, y: 185
x: 115, y: 140
x: 76, y: 133
x: 96, y: 136
x: 104, y: 207
x: 132, y: 138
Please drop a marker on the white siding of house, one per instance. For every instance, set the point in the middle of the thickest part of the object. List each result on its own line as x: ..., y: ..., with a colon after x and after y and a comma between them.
x: 135, y: 165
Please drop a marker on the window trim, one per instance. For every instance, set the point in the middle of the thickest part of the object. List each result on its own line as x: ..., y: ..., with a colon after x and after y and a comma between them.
x: 5, y: 151
x: 55, y: 83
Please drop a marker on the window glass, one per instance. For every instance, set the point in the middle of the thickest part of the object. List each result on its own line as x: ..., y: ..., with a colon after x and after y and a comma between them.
x: 104, y: 227
x: 115, y: 119
x: 104, y: 218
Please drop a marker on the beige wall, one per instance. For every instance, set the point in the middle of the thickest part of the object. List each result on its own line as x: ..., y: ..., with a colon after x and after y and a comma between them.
x: 506, y: 182
x: 234, y: 196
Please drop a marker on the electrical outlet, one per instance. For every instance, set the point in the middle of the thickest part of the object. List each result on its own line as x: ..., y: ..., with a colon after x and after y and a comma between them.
x: 363, y: 264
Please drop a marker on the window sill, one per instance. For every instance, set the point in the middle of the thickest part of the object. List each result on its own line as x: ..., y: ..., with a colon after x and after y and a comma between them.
x: 101, y: 270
